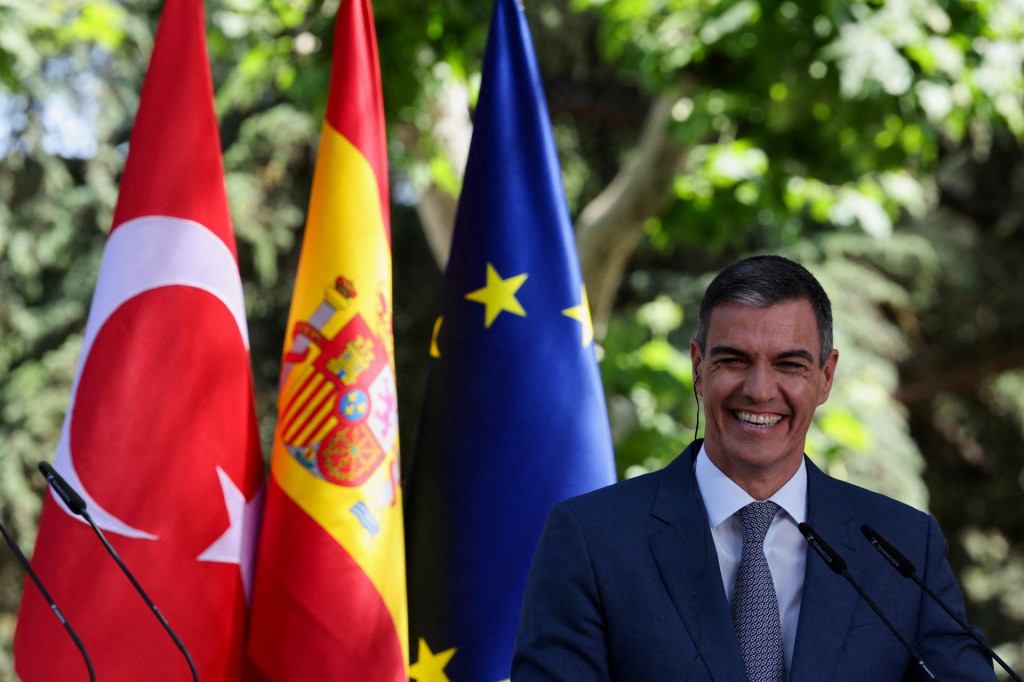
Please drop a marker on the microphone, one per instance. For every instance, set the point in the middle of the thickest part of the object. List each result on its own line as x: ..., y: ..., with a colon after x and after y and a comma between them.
x: 66, y: 493
x: 49, y: 600
x: 906, y: 569
x: 76, y: 504
x: 838, y: 566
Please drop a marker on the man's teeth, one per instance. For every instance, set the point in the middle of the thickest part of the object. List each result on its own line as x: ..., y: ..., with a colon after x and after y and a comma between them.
x: 759, y: 419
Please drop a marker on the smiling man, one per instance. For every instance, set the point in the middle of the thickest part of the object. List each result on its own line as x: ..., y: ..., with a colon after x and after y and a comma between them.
x: 698, y: 571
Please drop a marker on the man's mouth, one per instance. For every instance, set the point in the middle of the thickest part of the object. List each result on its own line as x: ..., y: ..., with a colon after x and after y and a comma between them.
x: 755, y: 419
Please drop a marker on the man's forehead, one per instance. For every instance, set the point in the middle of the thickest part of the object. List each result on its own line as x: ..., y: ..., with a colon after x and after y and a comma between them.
x: 790, y: 321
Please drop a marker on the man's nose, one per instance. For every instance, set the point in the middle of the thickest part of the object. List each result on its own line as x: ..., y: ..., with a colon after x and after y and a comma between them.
x: 760, y: 385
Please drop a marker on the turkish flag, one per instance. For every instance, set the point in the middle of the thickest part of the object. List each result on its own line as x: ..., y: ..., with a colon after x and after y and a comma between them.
x: 160, y: 435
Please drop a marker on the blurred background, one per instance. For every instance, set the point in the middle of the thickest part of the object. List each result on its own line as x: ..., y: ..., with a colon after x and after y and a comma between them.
x: 878, y: 143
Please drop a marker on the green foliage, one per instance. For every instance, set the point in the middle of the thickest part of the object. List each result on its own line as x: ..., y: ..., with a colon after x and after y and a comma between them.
x: 802, y: 116
x: 650, y: 383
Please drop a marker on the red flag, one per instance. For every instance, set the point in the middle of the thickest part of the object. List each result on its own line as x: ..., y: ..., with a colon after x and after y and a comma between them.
x: 160, y: 435
x: 329, y: 595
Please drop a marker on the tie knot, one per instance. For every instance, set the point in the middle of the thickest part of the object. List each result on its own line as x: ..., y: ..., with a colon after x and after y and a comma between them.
x: 757, y: 516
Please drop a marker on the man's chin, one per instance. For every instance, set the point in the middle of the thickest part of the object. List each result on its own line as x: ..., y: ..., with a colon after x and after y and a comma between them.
x: 758, y: 450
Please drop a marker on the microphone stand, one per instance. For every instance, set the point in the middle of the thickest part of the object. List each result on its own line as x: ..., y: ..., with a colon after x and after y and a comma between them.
x: 838, y: 566
x: 49, y: 600
x: 76, y: 504
x: 903, y: 566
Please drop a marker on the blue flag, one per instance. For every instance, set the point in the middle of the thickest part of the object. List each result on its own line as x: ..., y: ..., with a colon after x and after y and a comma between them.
x: 514, y: 417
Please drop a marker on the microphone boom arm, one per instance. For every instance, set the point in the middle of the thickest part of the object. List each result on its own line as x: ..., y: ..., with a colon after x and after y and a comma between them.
x: 905, y: 568
x: 49, y: 600
x: 77, y: 505
x: 838, y: 566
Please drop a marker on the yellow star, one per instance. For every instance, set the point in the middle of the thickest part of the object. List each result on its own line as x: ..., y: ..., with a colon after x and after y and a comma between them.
x: 499, y: 295
x: 435, y: 351
x: 581, y: 313
x: 429, y: 667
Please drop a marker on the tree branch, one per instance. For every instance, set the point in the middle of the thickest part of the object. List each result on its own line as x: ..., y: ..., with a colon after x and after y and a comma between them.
x: 610, y: 227
x: 452, y: 132
x: 436, y: 209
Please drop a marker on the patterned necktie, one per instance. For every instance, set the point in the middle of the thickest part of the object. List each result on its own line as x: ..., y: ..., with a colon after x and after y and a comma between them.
x: 755, y: 608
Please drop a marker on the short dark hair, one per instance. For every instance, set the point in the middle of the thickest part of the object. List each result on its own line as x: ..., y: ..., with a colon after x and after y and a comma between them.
x: 764, y: 281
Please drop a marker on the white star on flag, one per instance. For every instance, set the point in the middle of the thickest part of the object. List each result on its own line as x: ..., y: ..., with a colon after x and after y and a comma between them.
x: 238, y: 543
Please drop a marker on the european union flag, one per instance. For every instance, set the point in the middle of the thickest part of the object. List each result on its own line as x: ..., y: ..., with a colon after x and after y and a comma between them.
x: 514, y: 418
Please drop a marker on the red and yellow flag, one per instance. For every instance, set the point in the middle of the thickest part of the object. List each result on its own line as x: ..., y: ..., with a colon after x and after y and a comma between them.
x: 329, y: 595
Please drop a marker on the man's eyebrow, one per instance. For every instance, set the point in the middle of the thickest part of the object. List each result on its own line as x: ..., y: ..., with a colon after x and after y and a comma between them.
x: 795, y: 354
x: 726, y: 350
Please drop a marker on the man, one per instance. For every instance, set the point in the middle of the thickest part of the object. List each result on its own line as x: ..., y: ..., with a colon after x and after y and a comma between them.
x: 698, y: 571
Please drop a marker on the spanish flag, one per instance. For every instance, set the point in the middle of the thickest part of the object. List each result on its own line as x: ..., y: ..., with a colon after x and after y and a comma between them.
x: 329, y: 594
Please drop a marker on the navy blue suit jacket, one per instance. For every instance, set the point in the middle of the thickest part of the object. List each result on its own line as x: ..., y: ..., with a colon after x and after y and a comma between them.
x: 625, y: 585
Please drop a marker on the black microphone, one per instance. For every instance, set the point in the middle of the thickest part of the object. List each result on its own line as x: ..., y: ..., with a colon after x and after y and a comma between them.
x: 77, y: 505
x: 49, y: 600
x: 838, y: 566
x: 72, y: 499
x: 906, y: 569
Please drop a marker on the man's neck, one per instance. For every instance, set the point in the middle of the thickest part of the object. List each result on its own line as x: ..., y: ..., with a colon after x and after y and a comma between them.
x: 760, y: 483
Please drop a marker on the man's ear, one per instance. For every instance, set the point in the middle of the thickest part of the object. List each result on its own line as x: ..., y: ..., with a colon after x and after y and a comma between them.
x: 829, y: 370
x: 696, y: 359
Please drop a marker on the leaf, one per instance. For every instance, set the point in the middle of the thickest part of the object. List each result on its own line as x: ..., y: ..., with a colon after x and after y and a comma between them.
x: 844, y: 429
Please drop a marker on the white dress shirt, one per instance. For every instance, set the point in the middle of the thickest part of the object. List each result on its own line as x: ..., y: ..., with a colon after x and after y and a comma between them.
x: 784, y: 546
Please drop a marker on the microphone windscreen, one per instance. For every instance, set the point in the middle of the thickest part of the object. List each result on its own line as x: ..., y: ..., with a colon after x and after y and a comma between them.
x: 834, y: 561
x: 891, y: 554
x: 71, y: 498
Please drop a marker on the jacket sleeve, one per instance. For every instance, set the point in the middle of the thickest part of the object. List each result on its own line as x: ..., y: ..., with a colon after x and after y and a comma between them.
x: 561, y: 629
x: 949, y: 652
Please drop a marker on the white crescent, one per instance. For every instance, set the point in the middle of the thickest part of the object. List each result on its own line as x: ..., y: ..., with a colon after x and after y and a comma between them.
x: 144, y: 254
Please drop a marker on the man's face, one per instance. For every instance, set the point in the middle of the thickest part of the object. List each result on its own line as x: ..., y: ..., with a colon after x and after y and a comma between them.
x: 761, y: 381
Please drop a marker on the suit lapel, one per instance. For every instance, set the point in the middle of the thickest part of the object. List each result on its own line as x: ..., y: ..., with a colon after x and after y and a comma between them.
x: 828, y: 600
x: 688, y: 562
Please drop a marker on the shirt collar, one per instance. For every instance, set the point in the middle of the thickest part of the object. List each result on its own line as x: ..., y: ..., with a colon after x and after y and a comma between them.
x: 723, y: 498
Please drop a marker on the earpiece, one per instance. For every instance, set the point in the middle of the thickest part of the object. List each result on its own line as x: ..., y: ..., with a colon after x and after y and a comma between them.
x: 696, y: 378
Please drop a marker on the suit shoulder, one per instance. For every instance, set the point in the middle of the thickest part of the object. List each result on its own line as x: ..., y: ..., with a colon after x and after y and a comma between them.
x: 631, y: 493
x: 874, y: 505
